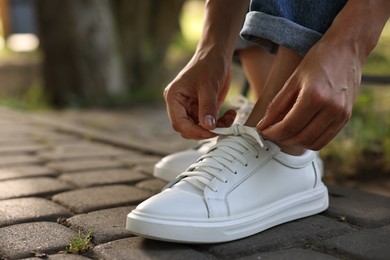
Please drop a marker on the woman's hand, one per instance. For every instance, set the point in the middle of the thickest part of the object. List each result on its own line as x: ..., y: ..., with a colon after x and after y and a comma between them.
x: 317, y: 100
x: 195, y: 96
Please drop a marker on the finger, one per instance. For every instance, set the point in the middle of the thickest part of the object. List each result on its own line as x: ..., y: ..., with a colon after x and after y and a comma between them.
x: 183, y: 123
x: 227, y: 119
x: 328, y: 135
x: 193, y: 131
x: 208, y: 106
x: 190, y: 130
x: 203, y: 135
x: 315, y: 128
x: 302, y: 112
x: 278, y: 107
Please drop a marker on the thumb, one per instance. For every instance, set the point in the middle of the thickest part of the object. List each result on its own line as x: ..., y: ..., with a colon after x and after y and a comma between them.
x: 208, y: 110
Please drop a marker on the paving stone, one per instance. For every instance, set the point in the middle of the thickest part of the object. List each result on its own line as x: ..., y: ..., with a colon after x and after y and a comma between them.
x: 9, y: 135
x: 12, y: 132
x: 295, y: 233
x: 15, y: 211
x: 84, y: 165
x: 359, y: 208
x: 143, y: 249
x: 25, y: 171
x: 366, y: 244
x: 290, y: 254
x: 139, y: 159
x: 22, y: 149
x: 103, y: 177
x: 11, y: 160
x: 111, y: 196
x: 24, y: 128
x: 31, y: 187
x: 85, y: 150
x: 23, y: 240
x: 147, y: 167
x: 18, y: 142
x: 59, y: 257
x: 153, y: 185
x: 107, y: 224
x: 50, y: 137
x: 379, y: 186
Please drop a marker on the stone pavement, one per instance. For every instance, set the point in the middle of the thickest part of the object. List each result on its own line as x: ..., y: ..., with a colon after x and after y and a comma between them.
x: 58, y: 179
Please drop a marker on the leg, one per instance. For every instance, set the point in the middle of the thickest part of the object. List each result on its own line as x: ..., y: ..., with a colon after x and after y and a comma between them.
x: 285, y: 63
x: 256, y: 63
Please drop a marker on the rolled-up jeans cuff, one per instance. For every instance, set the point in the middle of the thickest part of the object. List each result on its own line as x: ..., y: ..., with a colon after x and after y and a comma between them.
x: 271, y: 31
x: 241, y: 44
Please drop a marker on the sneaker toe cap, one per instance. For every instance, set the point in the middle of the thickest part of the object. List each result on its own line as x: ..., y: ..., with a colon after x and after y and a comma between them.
x: 174, y: 203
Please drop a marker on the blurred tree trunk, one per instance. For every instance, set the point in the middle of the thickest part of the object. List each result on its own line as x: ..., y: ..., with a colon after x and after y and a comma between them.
x: 146, y: 29
x: 82, y: 63
x: 97, y: 48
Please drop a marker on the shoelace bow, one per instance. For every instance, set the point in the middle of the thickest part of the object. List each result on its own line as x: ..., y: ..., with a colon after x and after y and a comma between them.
x: 222, y: 155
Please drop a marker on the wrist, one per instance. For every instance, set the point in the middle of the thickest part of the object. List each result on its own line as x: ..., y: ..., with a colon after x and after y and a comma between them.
x: 222, y: 23
x: 358, y: 26
x: 213, y: 51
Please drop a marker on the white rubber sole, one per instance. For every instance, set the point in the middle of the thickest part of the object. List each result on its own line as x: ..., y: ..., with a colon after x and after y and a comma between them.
x: 229, y: 228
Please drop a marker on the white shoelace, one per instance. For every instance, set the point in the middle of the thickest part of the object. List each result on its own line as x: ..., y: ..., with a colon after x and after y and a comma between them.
x: 243, y: 107
x: 222, y: 155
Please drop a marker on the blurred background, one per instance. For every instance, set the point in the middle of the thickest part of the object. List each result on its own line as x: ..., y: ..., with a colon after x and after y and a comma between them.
x: 115, y: 56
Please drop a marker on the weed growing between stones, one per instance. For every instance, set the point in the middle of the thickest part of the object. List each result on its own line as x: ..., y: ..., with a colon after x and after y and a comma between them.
x: 80, y: 244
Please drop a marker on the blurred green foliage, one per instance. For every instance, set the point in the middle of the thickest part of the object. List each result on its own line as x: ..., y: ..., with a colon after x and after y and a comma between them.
x: 34, y: 98
x: 362, y: 148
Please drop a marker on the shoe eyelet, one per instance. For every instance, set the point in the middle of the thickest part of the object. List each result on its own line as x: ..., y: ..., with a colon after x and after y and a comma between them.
x: 235, y: 172
x: 246, y: 165
x: 257, y: 156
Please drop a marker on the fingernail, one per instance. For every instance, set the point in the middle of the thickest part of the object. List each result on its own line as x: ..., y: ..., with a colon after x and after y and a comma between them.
x: 209, y: 120
x: 259, y: 126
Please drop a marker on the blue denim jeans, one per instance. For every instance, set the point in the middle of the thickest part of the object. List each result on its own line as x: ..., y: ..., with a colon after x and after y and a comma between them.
x: 295, y: 24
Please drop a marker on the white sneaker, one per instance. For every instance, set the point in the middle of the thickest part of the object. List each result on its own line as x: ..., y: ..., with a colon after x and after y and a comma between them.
x: 172, y: 165
x: 242, y: 186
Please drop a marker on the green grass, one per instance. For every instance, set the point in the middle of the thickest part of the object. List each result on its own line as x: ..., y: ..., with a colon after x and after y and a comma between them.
x: 80, y: 244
